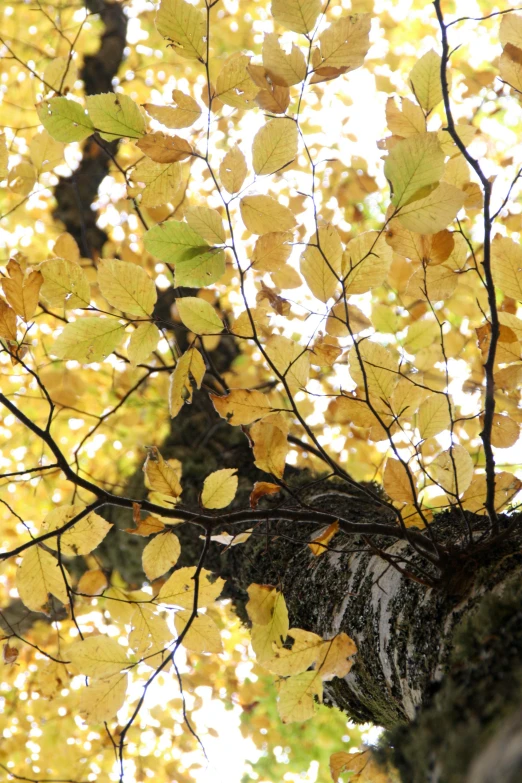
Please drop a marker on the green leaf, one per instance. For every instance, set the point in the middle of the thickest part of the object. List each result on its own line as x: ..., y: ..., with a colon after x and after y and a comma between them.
x: 413, y: 164
x: 65, y: 120
x: 196, y: 263
x: 88, y: 339
x: 115, y: 116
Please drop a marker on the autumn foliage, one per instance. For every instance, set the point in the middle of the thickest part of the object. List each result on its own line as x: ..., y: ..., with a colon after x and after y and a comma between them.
x: 372, y: 305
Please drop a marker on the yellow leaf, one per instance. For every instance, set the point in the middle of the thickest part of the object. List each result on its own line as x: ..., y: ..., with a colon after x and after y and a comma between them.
x: 84, y: 536
x: 434, y: 416
x: 320, y: 543
x: 38, y: 575
x: 290, y: 359
x: 272, y: 632
x: 242, y: 406
x: 22, y: 179
x: 453, y: 470
x: 335, y: 654
x: 346, y: 42
x: 321, y: 263
x: 510, y: 66
x: 380, y: 369
x: 274, y: 146
x: 189, y: 368
x: 65, y: 284
x: 270, y: 447
x: 297, y: 15
x: 286, y: 277
x: 506, y: 487
x: 7, y: 321
x: 98, y: 656
x: 219, y: 488
x: 304, y: 652
x: 115, y: 116
x: 199, y: 316
x: 127, y: 286
x: 284, y: 69
x: 101, y: 699
x: 88, y: 339
x: 183, y: 114
x: 505, y: 432
x: 143, y: 341
x: 421, y: 334
x: 345, y: 319
x: 510, y: 30
x: 46, y: 152
x: 425, y: 80
x: 406, y: 121
x: 161, y: 182
x: 178, y: 590
x: 162, y: 476
x: 296, y: 701
x: 4, y: 157
x: 92, y: 582
x: 233, y: 170
x: 431, y: 214
x: 150, y: 632
x: 163, y: 148
x: 202, y: 635
x: 184, y: 26
x: 396, y: 482
x: 366, y: 261
x: 22, y: 291
x: 234, y: 84
x: 272, y: 251
x: 263, y: 215
x: 207, y: 223
x: 261, y: 603
x: 60, y: 74
x: 160, y: 554
x: 506, y: 266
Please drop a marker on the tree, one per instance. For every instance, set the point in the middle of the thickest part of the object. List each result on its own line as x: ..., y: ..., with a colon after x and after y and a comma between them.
x: 256, y: 386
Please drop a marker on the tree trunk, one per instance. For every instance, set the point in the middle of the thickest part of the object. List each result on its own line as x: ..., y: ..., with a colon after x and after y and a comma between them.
x: 439, y: 667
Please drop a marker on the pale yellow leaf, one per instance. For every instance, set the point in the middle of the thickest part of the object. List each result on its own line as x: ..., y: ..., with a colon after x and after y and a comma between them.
x: 4, y: 157
x: 505, y: 432
x: 143, y: 341
x: 290, y: 359
x: 398, y: 482
x: 425, y: 80
x: 233, y: 170
x: 263, y: 215
x: 46, y: 152
x: 274, y: 146
x: 346, y: 42
x: 242, y: 406
x: 182, y: 114
x: 409, y: 120
x: 207, y: 223
x: 65, y: 284
x: 234, y: 85
x: 160, y: 554
x: 161, y: 182
x: 366, y: 262
x: 190, y: 368
x: 88, y: 339
x: 273, y: 632
x: 379, y: 370
x: 127, y: 286
x: 453, y: 470
x: 304, y: 652
x: 272, y: 251
x: 178, y: 590
x: 296, y: 702
x: 506, y: 266
x: 219, y: 488
x: 270, y: 447
x: 284, y: 69
x: 102, y: 698
x: 39, y: 575
x: 22, y: 291
x: 202, y: 635
x: 162, y: 148
x: 434, y: 416
x: 98, y: 656
x: 7, y: 321
x: 184, y: 26
x: 80, y: 539
x: 335, y: 657
x: 421, y: 334
x: 160, y: 475
x: 297, y: 15
x: 321, y: 263
x: 434, y: 212
x: 506, y: 487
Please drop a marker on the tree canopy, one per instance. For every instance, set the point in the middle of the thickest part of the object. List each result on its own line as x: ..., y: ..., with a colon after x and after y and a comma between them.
x: 306, y: 214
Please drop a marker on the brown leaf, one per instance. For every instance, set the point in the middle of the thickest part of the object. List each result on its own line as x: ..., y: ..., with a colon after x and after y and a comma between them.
x: 7, y: 321
x: 146, y: 527
x: 164, y: 149
x: 262, y: 488
x: 22, y: 291
x: 10, y: 653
